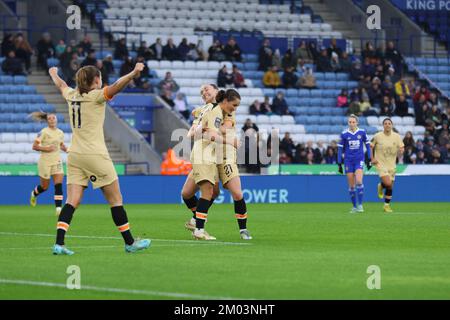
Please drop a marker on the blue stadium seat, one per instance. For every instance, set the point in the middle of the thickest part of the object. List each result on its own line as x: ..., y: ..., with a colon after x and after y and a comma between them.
x: 312, y: 128
x: 316, y: 102
x: 18, y: 117
x: 312, y: 119
x: 5, y: 117
x: 268, y: 92
x: 342, y: 76
x: 301, y: 119
x: 20, y: 80
x: 316, y: 93
x: 291, y: 92
x: 303, y: 93
x: 322, y: 130
x: 250, y: 66
x: 330, y: 76
x: 325, y: 120
x: 6, y: 80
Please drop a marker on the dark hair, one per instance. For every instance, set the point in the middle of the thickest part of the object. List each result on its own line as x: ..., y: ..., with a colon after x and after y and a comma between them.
x: 85, y: 78
x: 214, y: 86
x: 230, y: 95
x: 387, y: 119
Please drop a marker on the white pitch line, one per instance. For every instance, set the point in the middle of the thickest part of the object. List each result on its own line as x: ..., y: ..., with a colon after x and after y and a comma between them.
x: 196, y: 242
x: 116, y: 290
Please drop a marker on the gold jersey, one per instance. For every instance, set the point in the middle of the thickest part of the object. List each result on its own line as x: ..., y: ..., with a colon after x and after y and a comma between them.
x: 230, y: 152
x: 48, y: 137
x: 204, y: 151
x: 87, y: 115
x: 386, y: 148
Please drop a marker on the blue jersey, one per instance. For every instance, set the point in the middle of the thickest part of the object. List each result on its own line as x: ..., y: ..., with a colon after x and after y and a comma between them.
x: 352, y: 144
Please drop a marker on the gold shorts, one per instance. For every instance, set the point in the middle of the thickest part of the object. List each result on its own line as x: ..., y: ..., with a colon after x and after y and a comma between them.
x: 383, y: 171
x: 99, y: 169
x: 45, y: 171
x: 227, y: 171
x: 204, y: 172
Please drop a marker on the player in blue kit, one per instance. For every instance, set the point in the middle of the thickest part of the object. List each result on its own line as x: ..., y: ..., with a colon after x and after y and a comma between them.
x: 351, y: 146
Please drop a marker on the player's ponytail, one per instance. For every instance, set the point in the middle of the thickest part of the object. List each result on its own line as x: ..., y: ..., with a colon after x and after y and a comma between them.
x: 230, y: 95
x: 85, y: 78
x: 39, y: 116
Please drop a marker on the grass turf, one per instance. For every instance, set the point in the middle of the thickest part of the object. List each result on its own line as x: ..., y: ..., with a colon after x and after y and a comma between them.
x: 299, y: 251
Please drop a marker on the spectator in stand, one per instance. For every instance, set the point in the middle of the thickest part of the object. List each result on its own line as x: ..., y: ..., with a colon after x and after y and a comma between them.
x: 420, y: 110
x: 330, y: 156
x: 276, y: 59
x: 288, y: 60
x: 287, y: 144
x: 108, y: 64
x: 65, y: 58
x: 145, y: 51
x: 365, y: 106
x: 255, y: 108
x: 232, y: 51
x: 387, y: 107
x: 181, y: 106
x: 170, y: 51
x: 183, y: 49
x: 60, y: 48
x: 103, y: 71
x: 193, y: 53
x: 238, y: 78
x: 333, y: 48
x: 307, y: 80
x: 284, y: 158
x: 265, y: 56
x: 90, y: 60
x: 271, y: 78
x: 313, y: 154
x: 375, y: 94
x: 142, y: 81
x: 289, y: 78
x: 201, y: 51
x: 379, y: 72
x: 342, y: 99
x: 356, y: 71
x: 421, y: 91
x: 314, y: 52
x: 387, y: 86
x: 354, y: 108
x: 391, y: 73
x: 401, y: 106
x: 169, y: 84
x: 166, y: 96
x: 335, y: 63
x: 303, y: 53
x: 323, y: 62
x: 85, y: 45
x: 300, y: 154
x: 266, y: 107
x: 346, y: 63
x: 121, y: 50
x: 434, y: 114
x: 8, y: 44
x: 12, y: 65
x: 368, y: 68
x: 224, y: 78
x: 409, y: 156
x: 408, y: 140
x: 279, y: 105
x: 401, y: 88
x: 394, y: 55
x: 80, y: 52
x: 24, y: 51
x: 369, y: 53
x: 126, y: 68
x: 69, y: 71
x: 216, y: 52
x: 157, y: 48
x: 249, y: 125
x: 434, y: 100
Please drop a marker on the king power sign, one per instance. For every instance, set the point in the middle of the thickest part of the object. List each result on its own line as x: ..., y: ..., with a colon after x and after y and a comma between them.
x: 424, y: 5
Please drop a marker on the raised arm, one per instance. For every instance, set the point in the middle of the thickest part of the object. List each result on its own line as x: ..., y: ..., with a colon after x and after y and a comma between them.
x: 122, y: 82
x: 59, y: 83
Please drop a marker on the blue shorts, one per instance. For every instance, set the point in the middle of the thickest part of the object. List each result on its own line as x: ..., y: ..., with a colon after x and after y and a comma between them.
x: 352, y: 165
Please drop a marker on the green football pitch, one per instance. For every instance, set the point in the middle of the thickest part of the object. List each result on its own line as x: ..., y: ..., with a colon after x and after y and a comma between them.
x: 299, y: 251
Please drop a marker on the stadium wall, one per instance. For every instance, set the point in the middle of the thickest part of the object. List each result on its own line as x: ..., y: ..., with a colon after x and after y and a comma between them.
x: 257, y: 189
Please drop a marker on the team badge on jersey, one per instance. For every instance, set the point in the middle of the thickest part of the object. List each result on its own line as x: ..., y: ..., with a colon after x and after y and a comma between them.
x: 217, y: 122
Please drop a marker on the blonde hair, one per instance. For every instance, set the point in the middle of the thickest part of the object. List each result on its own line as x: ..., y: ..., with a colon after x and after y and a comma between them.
x: 39, y: 116
x: 85, y: 77
x: 354, y: 117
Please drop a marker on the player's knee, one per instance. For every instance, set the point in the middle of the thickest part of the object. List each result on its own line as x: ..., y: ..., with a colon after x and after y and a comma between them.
x: 237, y: 195
x: 186, y: 194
